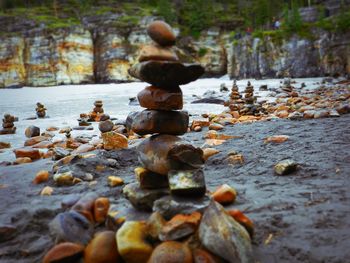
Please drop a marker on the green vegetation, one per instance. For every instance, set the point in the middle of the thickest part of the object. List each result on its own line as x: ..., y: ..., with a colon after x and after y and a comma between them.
x: 202, y: 52
x: 191, y: 16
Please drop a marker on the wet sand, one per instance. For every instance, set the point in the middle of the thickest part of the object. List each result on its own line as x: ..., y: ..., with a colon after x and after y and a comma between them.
x: 302, y: 217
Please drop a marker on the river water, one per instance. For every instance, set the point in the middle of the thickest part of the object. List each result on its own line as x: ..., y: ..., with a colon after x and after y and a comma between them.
x: 65, y: 103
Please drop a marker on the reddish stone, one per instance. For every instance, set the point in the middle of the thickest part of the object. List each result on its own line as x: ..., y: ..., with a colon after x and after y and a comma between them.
x: 155, y: 98
x: 171, y: 252
x: 101, y: 207
x: 85, y: 206
x: 243, y: 220
x: 161, y: 33
x: 102, y: 249
x: 64, y: 252
x: 180, y: 226
x: 224, y: 194
x: 35, y: 140
x: 33, y: 154
x: 163, y: 122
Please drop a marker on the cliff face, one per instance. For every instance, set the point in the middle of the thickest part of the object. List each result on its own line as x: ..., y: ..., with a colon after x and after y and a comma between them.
x: 101, y: 52
x: 328, y: 54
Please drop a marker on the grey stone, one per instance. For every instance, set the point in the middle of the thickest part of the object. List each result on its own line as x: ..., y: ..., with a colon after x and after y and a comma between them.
x: 224, y: 236
x: 187, y: 182
x: 143, y: 199
x: 285, y: 167
x: 169, y: 206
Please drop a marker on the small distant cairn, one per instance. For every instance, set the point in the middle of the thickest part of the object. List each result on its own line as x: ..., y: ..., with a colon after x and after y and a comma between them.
x: 8, y: 124
x: 97, y: 111
x: 236, y: 102
x: 84, y: 120
x: 40, y: 110
x: 251, y: 107
x: 288, y: 88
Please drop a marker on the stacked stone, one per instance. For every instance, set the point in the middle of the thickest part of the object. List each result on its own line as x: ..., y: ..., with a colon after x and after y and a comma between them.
x: 8, y: 124
x: 288, y: 88
x: 236, y: 101
x: 166, y: 158
x: 84, y: 120
x: 97, y: 111
x: 40, y: 110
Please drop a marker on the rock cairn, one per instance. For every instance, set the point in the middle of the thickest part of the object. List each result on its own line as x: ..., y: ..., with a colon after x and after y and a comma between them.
x: 40, y: 110
x: 170, y: 164
x: 8, y: 126
x: 97, y: 111
x: 84, y: 120
x: 235, y: 102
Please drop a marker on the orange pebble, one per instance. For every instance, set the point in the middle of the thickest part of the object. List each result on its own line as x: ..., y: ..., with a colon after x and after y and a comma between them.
x: 101, y: 207
x: 243, y: 220
x: 224, y: 194
x: 41, y: 176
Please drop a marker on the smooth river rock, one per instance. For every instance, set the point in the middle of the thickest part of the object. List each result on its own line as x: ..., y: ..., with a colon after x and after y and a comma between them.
x: 162, y: 153
x: 155, y: 98
x: 161, y: 33
x: 164, y: 122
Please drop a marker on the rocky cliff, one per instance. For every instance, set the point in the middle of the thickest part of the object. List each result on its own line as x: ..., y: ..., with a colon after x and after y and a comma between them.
x: 101, y: 50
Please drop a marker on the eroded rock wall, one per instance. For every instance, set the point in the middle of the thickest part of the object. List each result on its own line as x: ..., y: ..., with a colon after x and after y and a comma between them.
x: 102, y: 53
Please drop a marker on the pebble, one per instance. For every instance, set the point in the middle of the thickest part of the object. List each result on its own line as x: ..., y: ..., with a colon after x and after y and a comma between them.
x: 114, y: 181
x: 100, y: 209
x: 224, y: 194
x: 285, y: 167
x: 33, y: 154
x: 132, y: 244
x: 105, y: 126
x: 208, y: 152
x: 22, y: 160
x: 243, y: 220
x: 32, y: 131
x: 41, y: 177
x: 5, y: 145
x: 102, y: 249
x: 113, y: 141
x: 64, y: 252
x: 71, y: 227
x: 171, y: 252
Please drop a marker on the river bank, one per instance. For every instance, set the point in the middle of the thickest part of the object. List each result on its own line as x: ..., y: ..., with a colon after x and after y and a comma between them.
x: 302, y: 217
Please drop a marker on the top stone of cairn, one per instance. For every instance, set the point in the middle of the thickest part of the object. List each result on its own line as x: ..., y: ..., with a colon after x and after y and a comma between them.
x: 161, y: 33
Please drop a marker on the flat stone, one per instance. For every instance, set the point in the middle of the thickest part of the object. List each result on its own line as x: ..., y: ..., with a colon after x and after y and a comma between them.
x: 83, y: 128
x: 155, y: 52
x: 150, y: 180
x: 163, y: 122
x: 8, y: 131
x: 33, y: 154
x: 132, y: 244
x: 143, y: 199
x: 21, y: 160
x: 34, y: 140
x: 180, y: 226
x: 32, y: 131
x: 113, y: 141
x: 163, y: 73
x: 155, y: 98
x: 5, y: 145
x: 223, y: 236
x: 171, y: 252
x: 102, y: 248
x: 162, y: 153
x: 64, y: 252
x: 169, y: 206
x: 71, y: 227
x: 187, y: 182
x: 161, y: 33
x: 60, y: 153
x: 285, y: 167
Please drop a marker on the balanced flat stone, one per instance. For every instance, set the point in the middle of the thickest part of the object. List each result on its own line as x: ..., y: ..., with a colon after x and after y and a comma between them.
x: 155, y: 52
x: 163, y: 122
x: 150, y: 180
x: 164, y: 73
x: 143, y: 199
x: 162, y: 153
x: 187, y: 182
x: 155, y: 98
x: 161, y: 33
